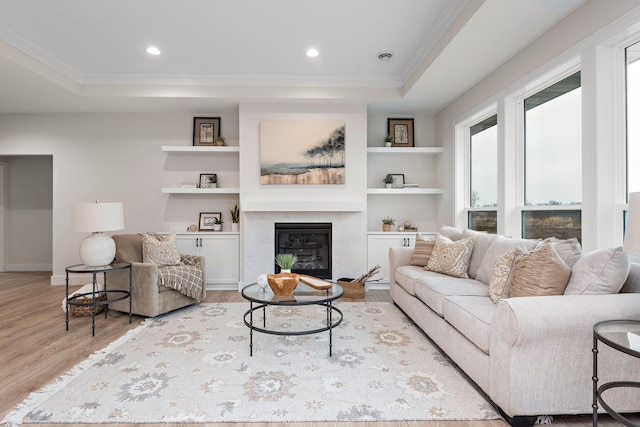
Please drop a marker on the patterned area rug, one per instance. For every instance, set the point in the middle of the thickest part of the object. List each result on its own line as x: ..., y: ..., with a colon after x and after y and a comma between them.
x: 193, y: 366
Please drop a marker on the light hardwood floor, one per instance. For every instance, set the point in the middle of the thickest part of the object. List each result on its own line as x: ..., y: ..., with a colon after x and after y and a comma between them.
x: 35, y: 348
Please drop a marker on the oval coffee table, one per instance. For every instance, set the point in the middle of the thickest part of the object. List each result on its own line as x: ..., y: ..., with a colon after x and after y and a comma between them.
x: 261, y: 298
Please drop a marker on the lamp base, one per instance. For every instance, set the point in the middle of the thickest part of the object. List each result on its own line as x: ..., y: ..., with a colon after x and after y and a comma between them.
x: 97, y: 250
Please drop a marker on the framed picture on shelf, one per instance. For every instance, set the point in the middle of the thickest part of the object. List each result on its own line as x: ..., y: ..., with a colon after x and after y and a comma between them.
x: 208, y: 220
x: 402, y: 132
x: 208, y: 180
x: 205, y: 131
x: 398, y: 180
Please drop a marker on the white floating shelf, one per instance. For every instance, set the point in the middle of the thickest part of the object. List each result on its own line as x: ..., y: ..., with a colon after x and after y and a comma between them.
x: 405, y: 150
x: 405, y: 191
x: 179, y: 190
x: 199, y: 149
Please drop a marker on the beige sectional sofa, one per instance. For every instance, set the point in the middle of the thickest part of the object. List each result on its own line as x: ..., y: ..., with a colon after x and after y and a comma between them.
x: 531, y: 355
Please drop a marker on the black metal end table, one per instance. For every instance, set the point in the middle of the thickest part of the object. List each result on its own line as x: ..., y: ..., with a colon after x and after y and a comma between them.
x: 623, y: 336
x: 118, y: 295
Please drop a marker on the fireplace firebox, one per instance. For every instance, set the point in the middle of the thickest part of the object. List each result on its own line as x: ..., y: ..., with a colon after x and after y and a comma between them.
x: 310, y: 242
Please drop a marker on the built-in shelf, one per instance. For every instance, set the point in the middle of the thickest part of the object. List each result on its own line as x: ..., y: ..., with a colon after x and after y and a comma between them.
x: 199, y: 149
x: 179, y: 190
x: 405, y: 150
x: 405, y: 191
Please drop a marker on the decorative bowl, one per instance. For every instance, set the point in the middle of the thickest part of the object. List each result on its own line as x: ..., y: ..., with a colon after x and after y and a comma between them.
x: 283, y: 283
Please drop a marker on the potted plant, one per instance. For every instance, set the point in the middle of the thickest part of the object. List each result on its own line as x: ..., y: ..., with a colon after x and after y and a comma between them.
x: 219, y: 141
x: 388, y: 181
x: 387, y: 222
x: 286, y: 262
x: 213, y: 181
x: 235, y: 218
x: 217, y: 224
x: 388, y: 140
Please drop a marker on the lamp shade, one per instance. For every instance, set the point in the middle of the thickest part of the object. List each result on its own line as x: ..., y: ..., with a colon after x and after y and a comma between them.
x: 97, y: 249
x: 93, y: 217
x: 632, y: 232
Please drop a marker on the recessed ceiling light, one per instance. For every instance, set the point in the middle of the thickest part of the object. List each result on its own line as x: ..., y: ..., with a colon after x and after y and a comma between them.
x: 152, y: 50
x: 385, y: 56
x: 312, y: 53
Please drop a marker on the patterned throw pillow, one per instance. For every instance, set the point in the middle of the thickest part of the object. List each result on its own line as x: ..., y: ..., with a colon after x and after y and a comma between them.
x: 422, y: 251
x: 160, y: 250
x: 540, y: 272
x: 500, y: 282
x: 451, y: 258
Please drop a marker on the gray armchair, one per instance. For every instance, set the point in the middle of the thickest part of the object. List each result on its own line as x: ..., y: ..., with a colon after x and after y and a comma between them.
x: 148, y: 297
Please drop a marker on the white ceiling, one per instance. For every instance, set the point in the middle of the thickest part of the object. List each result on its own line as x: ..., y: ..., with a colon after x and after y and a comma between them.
x: 89, y: 55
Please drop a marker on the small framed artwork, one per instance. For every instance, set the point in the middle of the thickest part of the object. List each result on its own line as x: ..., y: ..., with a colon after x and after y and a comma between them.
x: 205, y: 130
x: 208, y: 220
x: 402, y: 132
x: 208, y: 180
x: 398, y: 180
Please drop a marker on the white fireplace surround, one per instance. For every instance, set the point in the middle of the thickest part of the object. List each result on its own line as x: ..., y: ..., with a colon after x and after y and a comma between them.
x: 349, y: 241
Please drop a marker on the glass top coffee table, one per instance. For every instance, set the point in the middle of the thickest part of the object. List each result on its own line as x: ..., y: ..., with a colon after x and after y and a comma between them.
x: 261, y: 298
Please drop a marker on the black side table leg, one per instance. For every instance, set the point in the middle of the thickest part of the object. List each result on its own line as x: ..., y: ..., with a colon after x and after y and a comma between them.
x: 130, y: 296
x: 104, y: 279
x: 251, y: 329
x: 66, y: 301
x: 330, y: 314
x: 594, y: 379
x: 93, y: 306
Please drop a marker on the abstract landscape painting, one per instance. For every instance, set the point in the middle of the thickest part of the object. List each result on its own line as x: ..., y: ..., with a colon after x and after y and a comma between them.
x: 302, y: 152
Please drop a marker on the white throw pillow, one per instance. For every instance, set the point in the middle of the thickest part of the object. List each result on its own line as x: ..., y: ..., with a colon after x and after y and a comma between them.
x: 599, y: 272
x: 160, y: 250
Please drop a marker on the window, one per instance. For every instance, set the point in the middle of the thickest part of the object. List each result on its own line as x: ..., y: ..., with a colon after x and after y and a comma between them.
x: 633, y: 110
x: 553, y: 161
x: 483, y: 176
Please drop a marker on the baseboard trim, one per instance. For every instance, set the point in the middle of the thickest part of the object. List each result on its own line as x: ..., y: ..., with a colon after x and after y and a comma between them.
x: 28, y: 267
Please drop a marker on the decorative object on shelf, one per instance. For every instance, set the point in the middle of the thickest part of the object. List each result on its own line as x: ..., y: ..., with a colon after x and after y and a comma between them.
x: 388, y: 141
x: 286, y: 262
x: 398, y: 180
x: 355, y: 288
x: 315, y: 283
x: 283, y: 284
x: 208, y: 220
x: 262, y: 281
x: 407, y: 227
x: 388, y: 181
x: 387, y: 222
x: 208, y: 180
x: 192, y: 228
x: 302, y: 152
x: 632, y: 232
x: 188, y: 185
x: 219, y: 142
x: 217, y: 224
x: 402, y: 132
x: 235, y: 218
x: 205, y: 130
x: 97, y: 249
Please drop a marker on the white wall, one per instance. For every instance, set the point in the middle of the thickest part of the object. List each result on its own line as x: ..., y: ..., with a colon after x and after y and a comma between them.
x: 28, y: 213
x: 593, y: 23
x: 115, y: 158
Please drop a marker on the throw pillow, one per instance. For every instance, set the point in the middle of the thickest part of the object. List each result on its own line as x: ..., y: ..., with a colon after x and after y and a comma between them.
x: 452, y: 233
x: 422, y: 251
x: 599, y: 272
x: 449, y: 257
x: 500, y: 246
x: 500, y: 282
x: 540, y: 272
x: 568, y: 249
x: 481, y: 242
x: 160, y: 250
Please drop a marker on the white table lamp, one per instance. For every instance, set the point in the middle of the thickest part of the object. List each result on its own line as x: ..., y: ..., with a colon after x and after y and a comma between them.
x: 632, y: 231
x: 97, y: 249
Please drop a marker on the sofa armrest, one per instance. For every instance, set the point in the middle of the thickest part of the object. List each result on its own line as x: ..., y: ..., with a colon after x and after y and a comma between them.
x: 197, y: 261
x: 144, y: 283
x: 540, y: 352
x: 400, y: 255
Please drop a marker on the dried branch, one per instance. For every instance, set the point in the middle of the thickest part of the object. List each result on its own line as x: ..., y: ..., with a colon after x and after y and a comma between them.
x: 367, y: 277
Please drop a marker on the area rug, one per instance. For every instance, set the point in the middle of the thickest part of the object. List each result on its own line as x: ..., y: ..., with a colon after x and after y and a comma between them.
x: 193, y: 366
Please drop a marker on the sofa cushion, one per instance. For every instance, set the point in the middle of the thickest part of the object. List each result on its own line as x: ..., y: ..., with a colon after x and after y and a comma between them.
x: 482, y: 243
x: 128, y: 247
x: 599, y: 272
x: 500, y: 283
x: 422, y: 251
x: 433, y: 288
x: 540, y: 272
x: 500, y: 246
x: 405, y: 276
x: 472, y: 317
x: 569, y: 250
x: 160, y: 250
x: 451, y: 258
x: 452, y: 233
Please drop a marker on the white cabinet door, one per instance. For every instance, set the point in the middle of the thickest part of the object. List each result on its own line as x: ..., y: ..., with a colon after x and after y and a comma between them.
x: 221, y: 253
x: 378, y: 250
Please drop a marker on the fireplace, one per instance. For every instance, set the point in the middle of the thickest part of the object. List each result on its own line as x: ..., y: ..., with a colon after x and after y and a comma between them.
x: 310, y: 242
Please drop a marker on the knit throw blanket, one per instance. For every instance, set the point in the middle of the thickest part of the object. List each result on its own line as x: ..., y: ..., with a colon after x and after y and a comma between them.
x: 185, y: 278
